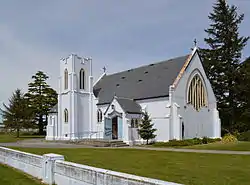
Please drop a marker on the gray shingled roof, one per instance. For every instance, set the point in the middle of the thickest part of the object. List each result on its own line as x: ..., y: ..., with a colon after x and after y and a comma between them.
x: 148, y: 81
x: 129, y: 106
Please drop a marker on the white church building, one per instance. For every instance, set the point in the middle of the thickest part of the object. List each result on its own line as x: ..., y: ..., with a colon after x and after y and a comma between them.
x: 176, y: 93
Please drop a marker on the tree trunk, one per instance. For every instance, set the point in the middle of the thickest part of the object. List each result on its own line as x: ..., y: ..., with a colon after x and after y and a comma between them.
x: 147, y: 141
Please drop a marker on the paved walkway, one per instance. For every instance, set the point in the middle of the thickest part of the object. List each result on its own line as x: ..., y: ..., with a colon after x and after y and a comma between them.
x: 39, y: 143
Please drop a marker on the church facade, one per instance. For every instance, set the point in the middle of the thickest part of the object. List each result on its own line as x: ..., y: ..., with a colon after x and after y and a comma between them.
x: 176, y: 93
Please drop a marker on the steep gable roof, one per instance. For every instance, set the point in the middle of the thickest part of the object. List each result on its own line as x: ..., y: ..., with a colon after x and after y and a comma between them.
x: 148, y: 81
x: 129, y: 106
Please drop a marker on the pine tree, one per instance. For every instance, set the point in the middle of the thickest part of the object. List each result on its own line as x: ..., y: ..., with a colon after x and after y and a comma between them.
x: 243, y: 86
x: 17, y: 114
x: 222, y: 59
x: 41, y: 98
x: 146, y: 130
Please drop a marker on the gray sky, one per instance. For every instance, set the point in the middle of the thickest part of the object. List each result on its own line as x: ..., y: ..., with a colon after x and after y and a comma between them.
x: 118, y: 34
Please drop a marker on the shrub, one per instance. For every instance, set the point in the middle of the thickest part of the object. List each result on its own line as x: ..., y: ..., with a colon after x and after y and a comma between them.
x: 186, y: 142
x: 245, y: 136
x: 229, y: 138
x: 212, y: 140
x: 174, y: 143
x: 196, y: 141
x: 205, y: 140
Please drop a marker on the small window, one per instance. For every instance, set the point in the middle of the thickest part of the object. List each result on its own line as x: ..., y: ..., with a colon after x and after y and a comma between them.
x: 66, y: 80
x: 50, y: 118
x: 66, y: 116
x: 99, y: 115
x: 82, y: 79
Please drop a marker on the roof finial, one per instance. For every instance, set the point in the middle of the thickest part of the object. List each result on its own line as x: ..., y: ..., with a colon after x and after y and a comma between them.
x: 195, y: 42
x: 104, y: 69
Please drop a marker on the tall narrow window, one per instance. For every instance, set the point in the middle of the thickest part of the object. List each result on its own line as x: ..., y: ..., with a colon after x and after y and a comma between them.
x: 99, y: 115
x: 66, y: 79
x: 196, y: 93
x: 66, y: 116
x: 82, y: 79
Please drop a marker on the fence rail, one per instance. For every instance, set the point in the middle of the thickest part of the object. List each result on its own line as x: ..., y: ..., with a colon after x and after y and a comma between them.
x: 52, y: 169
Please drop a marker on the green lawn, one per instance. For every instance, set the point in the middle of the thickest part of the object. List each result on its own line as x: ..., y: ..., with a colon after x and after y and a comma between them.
x: 10, y: 176
x: 8, y: 138
x: 186, y: 168
x: 239, y: 146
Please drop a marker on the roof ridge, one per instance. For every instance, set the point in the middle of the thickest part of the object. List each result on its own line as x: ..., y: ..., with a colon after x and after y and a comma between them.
x: 155, y: 63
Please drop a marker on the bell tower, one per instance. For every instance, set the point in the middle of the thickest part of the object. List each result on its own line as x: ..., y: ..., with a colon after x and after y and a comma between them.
x: 75, y: 98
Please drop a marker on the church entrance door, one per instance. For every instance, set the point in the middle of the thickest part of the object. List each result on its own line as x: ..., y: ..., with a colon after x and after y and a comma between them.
x: 115, y: 127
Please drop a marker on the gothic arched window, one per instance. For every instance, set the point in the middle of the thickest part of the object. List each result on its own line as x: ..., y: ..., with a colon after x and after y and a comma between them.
x: 66, y: 116
x: 197, y: 95
x: 99, y: 115
x: 82, y: 79
x: 66, y: 79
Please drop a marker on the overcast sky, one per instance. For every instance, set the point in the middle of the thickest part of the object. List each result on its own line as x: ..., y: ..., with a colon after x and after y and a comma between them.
x: 35, y: 34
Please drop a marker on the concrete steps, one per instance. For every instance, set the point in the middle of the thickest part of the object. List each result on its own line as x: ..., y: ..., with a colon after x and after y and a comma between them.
x: 100, y: 143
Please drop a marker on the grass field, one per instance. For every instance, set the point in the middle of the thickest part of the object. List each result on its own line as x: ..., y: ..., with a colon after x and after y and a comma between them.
x: 186, y: 168
x: 239, y: 146
x: 8, y: 138
x: 10, y: 176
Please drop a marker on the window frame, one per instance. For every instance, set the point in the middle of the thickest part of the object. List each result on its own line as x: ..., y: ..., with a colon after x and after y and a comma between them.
x: 197, y: 92
x: 99, y: 115
x: 82, y: 79
x: 66, y: 116
x: 66, y: 79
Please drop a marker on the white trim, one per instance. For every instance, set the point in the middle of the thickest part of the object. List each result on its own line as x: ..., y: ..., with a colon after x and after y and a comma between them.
x: 194, y: 50
x: 167, y: 116
x: 103, y: 74
x: 178, y: 106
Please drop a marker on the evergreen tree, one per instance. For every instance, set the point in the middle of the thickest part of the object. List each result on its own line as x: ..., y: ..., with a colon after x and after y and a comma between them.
x: 17, y: 114
x: 222, y: 59
x: 243, y: 84
x: 146, y: 130
x: 41, y: 98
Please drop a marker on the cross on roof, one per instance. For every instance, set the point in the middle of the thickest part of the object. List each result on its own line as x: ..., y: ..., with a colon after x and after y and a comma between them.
x: 195, y: 42
x: 104, y: 69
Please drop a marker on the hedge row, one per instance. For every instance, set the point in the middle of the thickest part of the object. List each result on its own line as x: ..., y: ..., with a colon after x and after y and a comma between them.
x: 186, y: 142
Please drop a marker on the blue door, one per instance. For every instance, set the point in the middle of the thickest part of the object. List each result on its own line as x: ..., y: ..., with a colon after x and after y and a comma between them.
x: 120, y: 128
x: 107, y: 128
